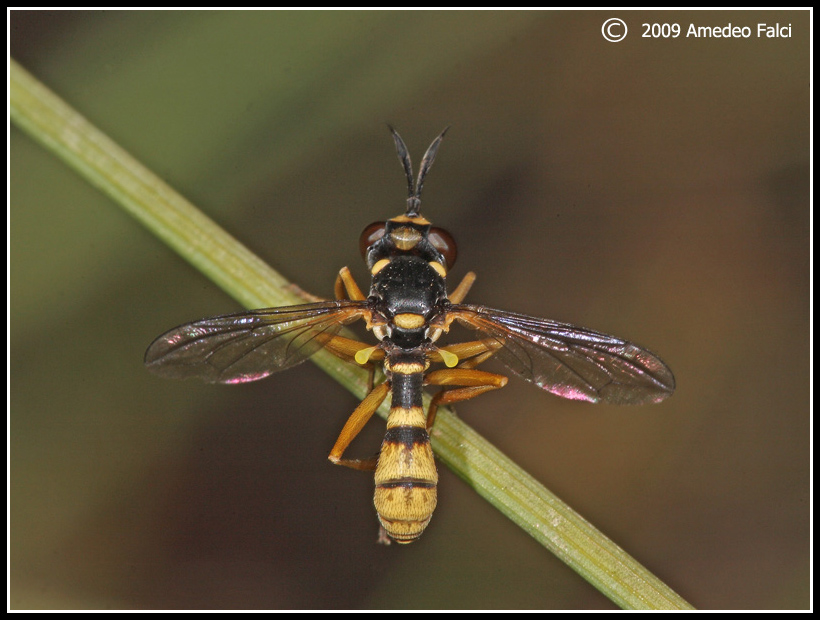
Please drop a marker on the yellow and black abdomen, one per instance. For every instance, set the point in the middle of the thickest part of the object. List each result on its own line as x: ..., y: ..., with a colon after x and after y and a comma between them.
x: 406, y: 475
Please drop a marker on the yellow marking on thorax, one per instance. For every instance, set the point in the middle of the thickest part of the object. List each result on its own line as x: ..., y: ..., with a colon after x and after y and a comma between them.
x: 440, y: 270
x: 408, y: 368
x: 379, y: 266
x: 409, y: 320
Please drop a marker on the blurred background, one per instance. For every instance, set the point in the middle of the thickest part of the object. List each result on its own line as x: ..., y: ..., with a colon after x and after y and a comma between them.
x: 656, y: 189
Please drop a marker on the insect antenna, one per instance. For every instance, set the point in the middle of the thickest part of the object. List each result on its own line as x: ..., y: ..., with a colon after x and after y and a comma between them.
x: 414, y: 189
x: 427, y: 163
x: 404, y: 158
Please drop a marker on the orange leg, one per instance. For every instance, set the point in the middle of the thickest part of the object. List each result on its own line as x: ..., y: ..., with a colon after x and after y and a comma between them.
x: 355, y: 423
x: 346, y: 349
x: 346, y: 287
x: 473, y: 382
x: 470, y: 354
x: 460, y: 292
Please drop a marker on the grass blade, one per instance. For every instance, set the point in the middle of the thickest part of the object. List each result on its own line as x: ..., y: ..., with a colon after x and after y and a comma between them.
x: 55, y: 125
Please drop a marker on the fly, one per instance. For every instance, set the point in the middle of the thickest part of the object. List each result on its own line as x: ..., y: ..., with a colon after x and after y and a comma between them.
x: 408, y: 309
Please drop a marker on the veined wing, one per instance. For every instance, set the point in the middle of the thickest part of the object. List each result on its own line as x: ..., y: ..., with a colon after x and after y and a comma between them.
x: 569, y: 361
x: 242, y: 347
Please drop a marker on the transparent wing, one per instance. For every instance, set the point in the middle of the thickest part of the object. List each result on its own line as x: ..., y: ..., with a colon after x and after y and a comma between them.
x: 237, y: 348
x: 570, y: 361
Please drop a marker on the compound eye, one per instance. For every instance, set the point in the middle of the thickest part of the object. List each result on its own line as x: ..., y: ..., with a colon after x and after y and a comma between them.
x: 370, y: 235
x: 444, y: 243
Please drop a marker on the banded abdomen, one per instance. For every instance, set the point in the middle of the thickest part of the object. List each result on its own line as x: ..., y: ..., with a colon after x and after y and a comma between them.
x: 406, y: 475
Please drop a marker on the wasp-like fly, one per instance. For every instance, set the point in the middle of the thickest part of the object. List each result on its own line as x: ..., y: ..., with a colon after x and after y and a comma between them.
x: 408, y: 309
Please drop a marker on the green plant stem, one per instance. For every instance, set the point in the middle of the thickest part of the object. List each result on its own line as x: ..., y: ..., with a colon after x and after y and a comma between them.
x: 55, y: 125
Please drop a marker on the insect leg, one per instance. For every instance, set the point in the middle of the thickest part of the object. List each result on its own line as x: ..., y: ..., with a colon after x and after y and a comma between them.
x: 473, y: 353
x: 472, y: 382
x: 460, y: 292
x: 346, y: 349
x: 346, y: 287
x: 355, y: 423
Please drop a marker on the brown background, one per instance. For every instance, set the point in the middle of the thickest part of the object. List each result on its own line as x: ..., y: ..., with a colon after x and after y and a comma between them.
x: 657, y: 189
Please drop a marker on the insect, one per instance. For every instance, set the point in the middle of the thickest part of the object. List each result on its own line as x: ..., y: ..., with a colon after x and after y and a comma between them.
x: 408, y: 309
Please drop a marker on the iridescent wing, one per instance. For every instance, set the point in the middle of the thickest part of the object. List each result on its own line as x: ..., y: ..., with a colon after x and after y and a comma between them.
x: 568, y: 361
x: 237, y: 348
